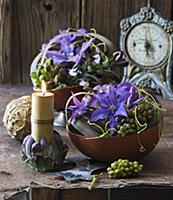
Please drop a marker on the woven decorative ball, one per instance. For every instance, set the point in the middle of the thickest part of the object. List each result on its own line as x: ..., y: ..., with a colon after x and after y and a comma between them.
x: 17, y: 117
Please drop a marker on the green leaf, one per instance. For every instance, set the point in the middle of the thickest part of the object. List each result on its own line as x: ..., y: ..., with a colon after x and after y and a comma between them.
x: 34, y: 75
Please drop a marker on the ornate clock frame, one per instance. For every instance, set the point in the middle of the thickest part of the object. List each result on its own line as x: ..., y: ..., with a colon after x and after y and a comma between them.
x: 159, y: 78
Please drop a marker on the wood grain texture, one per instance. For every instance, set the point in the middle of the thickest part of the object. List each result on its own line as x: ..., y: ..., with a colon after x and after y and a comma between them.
x: 164, y: 7
x: 105, y: 15
x: 34, y: 23
x: 84, y: 194
x: 44, y: 193
x: 142, y: 193
x: 5, y: 40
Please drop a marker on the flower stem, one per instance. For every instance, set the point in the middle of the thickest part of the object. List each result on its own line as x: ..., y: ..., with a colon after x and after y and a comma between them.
x: 94, y: 181
x: 96, y: 125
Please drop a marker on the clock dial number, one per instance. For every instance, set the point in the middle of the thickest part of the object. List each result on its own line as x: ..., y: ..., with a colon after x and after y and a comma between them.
x: 147, y: 45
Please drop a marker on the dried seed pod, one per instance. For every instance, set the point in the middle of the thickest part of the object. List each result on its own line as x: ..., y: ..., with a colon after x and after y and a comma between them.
x: 17, y: 117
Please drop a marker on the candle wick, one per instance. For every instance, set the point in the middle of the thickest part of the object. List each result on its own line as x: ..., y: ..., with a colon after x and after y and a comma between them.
x: 43, y: 93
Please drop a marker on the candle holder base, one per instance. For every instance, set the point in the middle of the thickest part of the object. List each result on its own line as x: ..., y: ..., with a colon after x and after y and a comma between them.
x: 42, y: 156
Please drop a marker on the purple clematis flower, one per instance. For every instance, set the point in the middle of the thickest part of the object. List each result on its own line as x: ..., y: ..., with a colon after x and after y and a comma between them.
x: 79, y: 108
x: 109, y: 108
x: 129, y: 93
x: 103, y: 91
x: 67, y: 53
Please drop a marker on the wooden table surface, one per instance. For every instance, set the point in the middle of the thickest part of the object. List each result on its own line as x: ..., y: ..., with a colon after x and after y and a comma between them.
x: 18, y: 181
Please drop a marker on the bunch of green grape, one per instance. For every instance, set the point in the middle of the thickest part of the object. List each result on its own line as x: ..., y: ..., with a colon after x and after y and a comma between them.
x: 129, y: 125
x: 124, y: 168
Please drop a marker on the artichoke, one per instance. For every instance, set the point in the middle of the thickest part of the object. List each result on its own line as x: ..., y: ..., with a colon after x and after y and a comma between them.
x: 43, y: 156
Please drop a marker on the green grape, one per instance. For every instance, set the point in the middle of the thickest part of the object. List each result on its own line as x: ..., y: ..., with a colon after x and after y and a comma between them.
x: 124, y: 168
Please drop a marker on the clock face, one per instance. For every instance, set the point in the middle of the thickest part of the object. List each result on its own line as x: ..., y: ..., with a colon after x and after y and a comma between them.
x: 147, y: 45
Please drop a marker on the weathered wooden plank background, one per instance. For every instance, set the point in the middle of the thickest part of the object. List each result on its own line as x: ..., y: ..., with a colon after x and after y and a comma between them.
x: 26, y: 24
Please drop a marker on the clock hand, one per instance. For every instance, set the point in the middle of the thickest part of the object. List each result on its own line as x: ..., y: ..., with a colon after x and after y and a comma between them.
x: 148, y: 44
x: 147, y: 47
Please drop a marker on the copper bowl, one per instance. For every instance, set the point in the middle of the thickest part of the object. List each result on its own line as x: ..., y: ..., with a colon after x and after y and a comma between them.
x: 114, y: 147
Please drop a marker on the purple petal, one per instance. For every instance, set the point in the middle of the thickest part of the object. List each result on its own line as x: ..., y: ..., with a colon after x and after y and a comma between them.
x: 105, y: 102
x: 53, y: 53
x: 73, y: 117
x: 121, y: 111
x: 56, y: 56
x: 101, y: 88
x: 65, y: 45
x: 138, y: 100
x: 93, y: 101
x: 76, y: 101
x: 112, y: 95
x: 85, y: 100
x: 82, y: 30
x: 72, y: 108
x: 100, y: 113
x: 74, y: 59
x: 113, y: 122
x: 85, y: 45
x: 71, y: 37
x: 123, y: 88
x: 57, y: 61
x: 77, y: 50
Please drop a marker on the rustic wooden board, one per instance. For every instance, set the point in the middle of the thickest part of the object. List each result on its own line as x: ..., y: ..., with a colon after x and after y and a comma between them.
x: 35, y: 22
x: 142, y: 193
x: 129, y: 193
x: 16, y: 177
x: 5, y: 40
x: 44, y: 193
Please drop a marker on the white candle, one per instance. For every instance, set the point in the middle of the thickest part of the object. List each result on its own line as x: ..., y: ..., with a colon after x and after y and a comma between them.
x: 42, y: 114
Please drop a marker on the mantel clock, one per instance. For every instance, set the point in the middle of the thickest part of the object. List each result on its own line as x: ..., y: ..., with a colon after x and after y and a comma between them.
x: 147, y: 41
